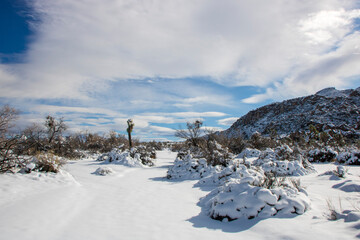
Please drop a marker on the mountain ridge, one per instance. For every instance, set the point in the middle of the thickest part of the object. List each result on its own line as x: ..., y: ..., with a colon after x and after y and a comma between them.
x: 327, y: 109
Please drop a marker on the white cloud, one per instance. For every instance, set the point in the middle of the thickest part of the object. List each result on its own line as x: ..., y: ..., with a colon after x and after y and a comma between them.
x: 79, y: 44
x: 329, y: 69
x: 227, y: 121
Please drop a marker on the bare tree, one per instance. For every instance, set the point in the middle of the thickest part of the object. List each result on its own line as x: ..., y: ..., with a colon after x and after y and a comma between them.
x: 34, y: 138
x: 191, y: 133
x: 7, y: 117
x: 54, y: 127
x: 8, y: 159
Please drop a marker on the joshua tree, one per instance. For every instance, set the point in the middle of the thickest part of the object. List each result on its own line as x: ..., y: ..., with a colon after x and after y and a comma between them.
x: 131, y: 125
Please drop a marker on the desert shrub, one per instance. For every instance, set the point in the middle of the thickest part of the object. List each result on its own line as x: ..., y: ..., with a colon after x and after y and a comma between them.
x: 214, y: 153
x: 284, y: 152
x: 340, y: 171
x: 271, y: 180
x: 351, y: 157
x: 243, y: 200
x: 322, y: 155
x: 192, y: 132
x: 47, y: 163
x: 189, y: 167
x: 146, y: 154
x: 158, y: 146
x: 259, y: 142
x: 9, y: 142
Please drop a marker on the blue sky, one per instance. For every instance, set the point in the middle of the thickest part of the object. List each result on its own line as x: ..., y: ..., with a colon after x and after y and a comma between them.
x: 163, y: 63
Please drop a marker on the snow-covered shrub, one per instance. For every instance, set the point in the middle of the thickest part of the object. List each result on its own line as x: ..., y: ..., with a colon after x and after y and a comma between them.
x: 322, y: 155
x: 340, y: 171
x: 284, y: 152
x: 269, y: 161
x: 126, y: 158
x: 189, y: 168
x: 243, y: 200
x: 260, y: 142
x: 45, y: 163
x: 235, y: 171
x: 285, y: 168
x: 349, y: 157
x: 214, y: 153
x: 103, y: 171
x: 267, y: 155
x: 249, y: 153
x: 146, y: 154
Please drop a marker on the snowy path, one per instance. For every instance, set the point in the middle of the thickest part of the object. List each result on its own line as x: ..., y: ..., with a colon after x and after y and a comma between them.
x: 139, y: 203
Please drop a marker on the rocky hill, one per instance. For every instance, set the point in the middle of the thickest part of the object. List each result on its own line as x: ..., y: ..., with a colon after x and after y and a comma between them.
x: 327, y: 109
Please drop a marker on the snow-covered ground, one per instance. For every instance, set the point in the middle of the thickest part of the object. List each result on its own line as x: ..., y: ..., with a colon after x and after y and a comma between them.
x: 140, y: 203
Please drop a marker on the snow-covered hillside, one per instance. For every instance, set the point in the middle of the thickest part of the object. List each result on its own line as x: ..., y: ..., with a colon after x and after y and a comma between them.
x: 141, y: 203
x: 327, y: 109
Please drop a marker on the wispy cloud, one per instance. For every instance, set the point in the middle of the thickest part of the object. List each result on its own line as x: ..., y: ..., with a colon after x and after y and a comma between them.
x: 227, y: 121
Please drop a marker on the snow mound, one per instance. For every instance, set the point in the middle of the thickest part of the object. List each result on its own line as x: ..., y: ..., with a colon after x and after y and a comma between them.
x: 103, y: 171
x: 118, y: 157
x: 243, y: 200
x: 189, y: 168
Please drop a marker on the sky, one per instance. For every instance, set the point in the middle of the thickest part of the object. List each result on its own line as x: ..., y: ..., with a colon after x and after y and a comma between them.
x: 163, y: 63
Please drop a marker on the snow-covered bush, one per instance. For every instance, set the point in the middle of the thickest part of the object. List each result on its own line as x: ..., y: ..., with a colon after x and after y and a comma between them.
x: 349, y: 157
x: 214, y: 153
x: 103, y: 171
x: 234, y: 172
x: 131, y: 159
x: 249, y: 153
x: 269, y: 161
x: 284, y: 152
x: 146, y: 154
x: 243, y: 200
x: 189, y: 168
x: 44, y: 163
x: 322, y: 155
x: 341, y: 171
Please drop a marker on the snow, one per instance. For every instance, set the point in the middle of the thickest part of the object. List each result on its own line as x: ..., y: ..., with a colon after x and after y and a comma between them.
x: 141, y: 203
